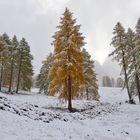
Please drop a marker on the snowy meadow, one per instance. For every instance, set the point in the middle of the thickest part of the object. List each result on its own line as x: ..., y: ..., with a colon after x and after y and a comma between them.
x: 32, y: 116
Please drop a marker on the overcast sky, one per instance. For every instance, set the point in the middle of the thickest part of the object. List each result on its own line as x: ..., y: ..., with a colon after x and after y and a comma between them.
x: 36, y: 20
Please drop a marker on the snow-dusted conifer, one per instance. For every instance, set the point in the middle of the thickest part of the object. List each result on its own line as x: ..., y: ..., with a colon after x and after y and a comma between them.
x: 25, y: 68
x: 15, y: 45
x: 6, y: 60
x: 91, y: 88
x: 2, y: 55
x: 137, y: 43
x: 119, y: 54
x: 66, y: 74
x: 12, y: 60
x: 132, y: 69
x: 42, y: 79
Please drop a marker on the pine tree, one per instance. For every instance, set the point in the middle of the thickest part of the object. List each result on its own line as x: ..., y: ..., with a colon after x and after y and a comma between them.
x: 25, y: 68
x: 137, y: 50
x: 133, y: 72
x: 119, y: 44
x: 6, y: 60
x: 42, y: 79
x: 2, y: 54
x: 13, y: 53
x: 66, y: 74
x: 91, y: 88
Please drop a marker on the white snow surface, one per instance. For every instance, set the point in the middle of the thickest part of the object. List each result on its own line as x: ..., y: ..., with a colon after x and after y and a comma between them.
x: 32, y: 116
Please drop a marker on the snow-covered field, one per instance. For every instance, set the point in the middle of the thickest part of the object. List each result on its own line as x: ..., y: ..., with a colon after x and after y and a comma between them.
x: 38, y: 117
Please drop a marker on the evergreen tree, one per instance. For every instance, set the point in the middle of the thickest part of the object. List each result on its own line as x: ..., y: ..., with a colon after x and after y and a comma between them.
x: 66, y: 74
x: 2, y: 54
x: 133, y: 71
x: 137, y: 54
x: 6, y: 60
x: 10, y: 54
x: 42, y: 79
x: 25, y: 68
x: 13, y: 53
x: 91, y: 88
x: 119, y: 44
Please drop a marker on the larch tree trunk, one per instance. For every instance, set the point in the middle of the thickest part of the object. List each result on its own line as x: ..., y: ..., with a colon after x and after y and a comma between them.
x: 87, y: 92
x: 69, y: 94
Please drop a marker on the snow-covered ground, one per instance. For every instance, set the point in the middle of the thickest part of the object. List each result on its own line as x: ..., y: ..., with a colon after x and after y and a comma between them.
x: 38, y: 117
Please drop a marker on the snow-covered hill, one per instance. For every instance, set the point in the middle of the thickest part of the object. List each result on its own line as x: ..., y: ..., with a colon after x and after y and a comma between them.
x: 38, y: 117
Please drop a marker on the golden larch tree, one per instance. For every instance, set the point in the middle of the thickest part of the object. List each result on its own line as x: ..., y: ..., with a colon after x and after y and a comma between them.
x: 66, y: 75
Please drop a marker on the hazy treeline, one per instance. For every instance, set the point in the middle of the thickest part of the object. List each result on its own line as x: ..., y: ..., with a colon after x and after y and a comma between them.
x: 112, y: 82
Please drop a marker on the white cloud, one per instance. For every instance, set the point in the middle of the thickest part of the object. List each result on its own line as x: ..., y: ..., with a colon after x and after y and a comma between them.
x: 47, y: 5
